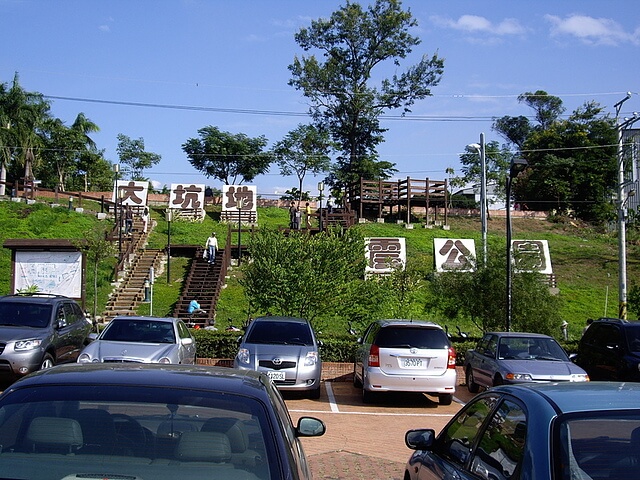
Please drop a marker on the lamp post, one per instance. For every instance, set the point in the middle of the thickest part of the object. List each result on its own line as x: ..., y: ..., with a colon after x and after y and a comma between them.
x: 622, y: 233
x: 516, y: 166
x: 481, y: 148
x: 168, y: 217
x: 116, y: 170
x: 239, y: 206
x: 320, y: 189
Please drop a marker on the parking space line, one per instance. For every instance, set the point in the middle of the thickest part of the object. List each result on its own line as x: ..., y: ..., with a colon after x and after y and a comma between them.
x: 332, y: 398
x: 381, y: 414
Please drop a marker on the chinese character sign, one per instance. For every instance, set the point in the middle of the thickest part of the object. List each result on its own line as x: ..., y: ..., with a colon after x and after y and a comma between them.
x: 384, y: 254
x: 184, y: 196
x: 531, y: 256
x: 131, y: 193
x: 241, y: 197
x: 454, y: 254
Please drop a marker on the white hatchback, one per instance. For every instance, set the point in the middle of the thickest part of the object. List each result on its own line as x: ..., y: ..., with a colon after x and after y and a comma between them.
x: 405, y: 356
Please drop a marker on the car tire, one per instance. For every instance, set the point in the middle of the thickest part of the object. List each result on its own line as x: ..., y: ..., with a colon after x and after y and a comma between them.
x: 445, y: 398
x: 47, y: 362
x: 356, y: 381
x: 367, y: 396
x: 472, y: 386
x: 315, y: 393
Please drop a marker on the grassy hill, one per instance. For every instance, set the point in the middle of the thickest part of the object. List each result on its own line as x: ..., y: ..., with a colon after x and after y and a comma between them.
x: 584, y: 259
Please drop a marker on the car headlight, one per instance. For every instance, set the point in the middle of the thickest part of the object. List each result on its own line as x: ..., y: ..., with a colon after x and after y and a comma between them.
x: 579, y: 377
x: 243, y: 356
x: 85, y: 358
x: 28, y: 344
x: 164, y: 360
x: 521, y: 377
x: 311, y: 359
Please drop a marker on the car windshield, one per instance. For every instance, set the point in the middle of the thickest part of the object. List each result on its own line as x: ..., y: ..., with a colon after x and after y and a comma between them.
x: 411, y: 336
x: 600, y: 445
x: 283, y: 333
x: 528, y: 348
x: 633, y: 337
x: 19, y: 314
x: 139, y: 331
x: 55, y: 432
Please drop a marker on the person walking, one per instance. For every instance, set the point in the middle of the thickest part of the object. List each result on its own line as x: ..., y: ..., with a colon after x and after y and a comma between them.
x: 211, y: 247
x: 292, y: 215
x: 145, y: 219
x: 128, y: 221
x: 297, y: 219
x: 307, y: 211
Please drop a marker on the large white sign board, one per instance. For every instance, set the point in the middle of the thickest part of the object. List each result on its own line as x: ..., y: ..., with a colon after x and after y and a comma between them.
x: 185, y: 196
x: 384, y: 254
x: 58, y: 273
x: 243, y: 196
x: 457, y: 254
x: 531, y: 256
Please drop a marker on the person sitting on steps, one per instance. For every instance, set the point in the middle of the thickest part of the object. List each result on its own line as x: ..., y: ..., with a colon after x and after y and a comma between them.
x: 194, y: 308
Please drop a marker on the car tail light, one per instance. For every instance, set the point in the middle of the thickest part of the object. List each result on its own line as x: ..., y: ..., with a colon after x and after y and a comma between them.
x: 452, y: 358
x: 374, y: 356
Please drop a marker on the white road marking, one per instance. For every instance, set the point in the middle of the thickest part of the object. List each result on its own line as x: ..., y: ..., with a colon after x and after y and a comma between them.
x: 332, y: 398
x: 382, y: 414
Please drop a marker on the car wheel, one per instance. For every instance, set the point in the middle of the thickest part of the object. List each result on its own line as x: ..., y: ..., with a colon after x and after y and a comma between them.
x: 498, y: 381
x: 367, y: 396
x: 315, y: 393
x: 472, y: 386
x: 356, y: 381
x: 47, y: 362
x: 445, y: 398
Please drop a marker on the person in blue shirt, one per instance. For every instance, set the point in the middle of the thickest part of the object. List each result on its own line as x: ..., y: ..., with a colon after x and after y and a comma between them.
x: 194, y: 308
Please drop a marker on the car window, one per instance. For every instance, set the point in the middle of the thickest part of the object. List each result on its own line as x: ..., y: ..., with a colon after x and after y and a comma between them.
x: 492, y: 345
x: 281, y: 333
x: 609, y: 336
x: 371, y: 332
x: 633, y: 337
x: 501, y: 446
x: 70, y: 314
x: 419, y: 337
x: 139, y: 330
x: 456, y: 441
x: 531, y: 348
x: 134, y: 432
x: 597, y: 445
x: 25, y: 314
x: 183, y: 331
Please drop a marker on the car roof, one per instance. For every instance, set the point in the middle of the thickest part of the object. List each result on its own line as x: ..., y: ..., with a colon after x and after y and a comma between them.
x: 518, y: 334
x: 34, y: 298
x: 274, y: 318
x: 569, y: 397
x: 141, y: 317
x: 405, y: 323
x: 196, y: 377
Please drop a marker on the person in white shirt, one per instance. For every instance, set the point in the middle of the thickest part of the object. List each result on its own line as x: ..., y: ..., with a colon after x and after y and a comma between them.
x: 212, y: 247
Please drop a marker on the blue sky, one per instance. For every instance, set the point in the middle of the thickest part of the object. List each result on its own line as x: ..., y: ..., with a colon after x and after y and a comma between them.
x: 227, y: 62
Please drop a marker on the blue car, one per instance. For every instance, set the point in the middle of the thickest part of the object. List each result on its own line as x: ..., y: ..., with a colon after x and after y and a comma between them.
x: 560, y: 431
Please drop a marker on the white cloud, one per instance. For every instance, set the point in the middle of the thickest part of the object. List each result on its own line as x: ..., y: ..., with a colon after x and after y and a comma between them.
x: 104, y: 28
x: 477, y: 24
x: 593, y: 31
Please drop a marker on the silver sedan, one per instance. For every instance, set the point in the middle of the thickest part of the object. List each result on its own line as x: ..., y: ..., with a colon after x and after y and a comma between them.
x: 142, y: 340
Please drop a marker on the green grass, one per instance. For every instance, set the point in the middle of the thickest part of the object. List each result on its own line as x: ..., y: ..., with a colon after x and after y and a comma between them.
x: 585, y: 260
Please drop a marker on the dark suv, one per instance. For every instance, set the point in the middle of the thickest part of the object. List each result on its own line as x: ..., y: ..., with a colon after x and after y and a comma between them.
x: 38, y: 331
x: 610, y: 350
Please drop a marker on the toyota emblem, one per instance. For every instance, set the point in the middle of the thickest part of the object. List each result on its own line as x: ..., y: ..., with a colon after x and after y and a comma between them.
x: 277, y: 361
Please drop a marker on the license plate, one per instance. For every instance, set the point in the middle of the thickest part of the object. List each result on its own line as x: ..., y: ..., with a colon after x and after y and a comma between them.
x: 412, y: 362
x: 276, y: 376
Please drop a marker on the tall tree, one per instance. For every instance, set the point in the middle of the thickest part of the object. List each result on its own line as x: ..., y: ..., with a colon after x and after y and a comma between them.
x: 133, y: 155
x: 497, y: 160
x: 344, y: 99
x: 302, y: 151
x: 226, y: 156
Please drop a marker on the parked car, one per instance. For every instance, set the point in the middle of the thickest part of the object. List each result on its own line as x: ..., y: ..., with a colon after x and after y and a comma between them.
x: 513, y: 357
x: 286, y: 350
x: 142, y: 340
x: 405, y: 356
x: 572, y: 431
x: 38, y: 331
x: 150, y: 421
x: 610, y: 350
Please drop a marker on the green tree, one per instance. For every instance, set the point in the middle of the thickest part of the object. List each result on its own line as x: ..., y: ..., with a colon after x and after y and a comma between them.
x: 340, y: 85
x: 302, y: 151
x: 302, y: 275
x: 133, y: 155
x: 226, y: 156
x: 497, y: 160
x: 480, y: 296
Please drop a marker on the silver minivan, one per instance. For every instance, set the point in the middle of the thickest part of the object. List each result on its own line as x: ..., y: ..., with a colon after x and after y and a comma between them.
x: 405, y: 356
x: 286, y: 350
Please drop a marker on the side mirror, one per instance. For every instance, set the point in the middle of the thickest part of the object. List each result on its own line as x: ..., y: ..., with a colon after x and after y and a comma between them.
x: 310, y: 427
x: 92, y: 336
x: 420, y: 439
x: 186, y: 341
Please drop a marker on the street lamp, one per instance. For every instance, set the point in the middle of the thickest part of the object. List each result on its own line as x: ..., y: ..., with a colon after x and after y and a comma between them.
x: 622, y: 233
x: 239, y: 206
x: 116, y: 170
x: 168, y: 217
x: 516, y: 166
x: 481, y: 148
x: 320, y: 189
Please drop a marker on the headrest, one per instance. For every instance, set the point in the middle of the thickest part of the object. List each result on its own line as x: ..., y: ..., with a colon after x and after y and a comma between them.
x: 203, y: 447
x: 232, y: 428
x: 55, y: 431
